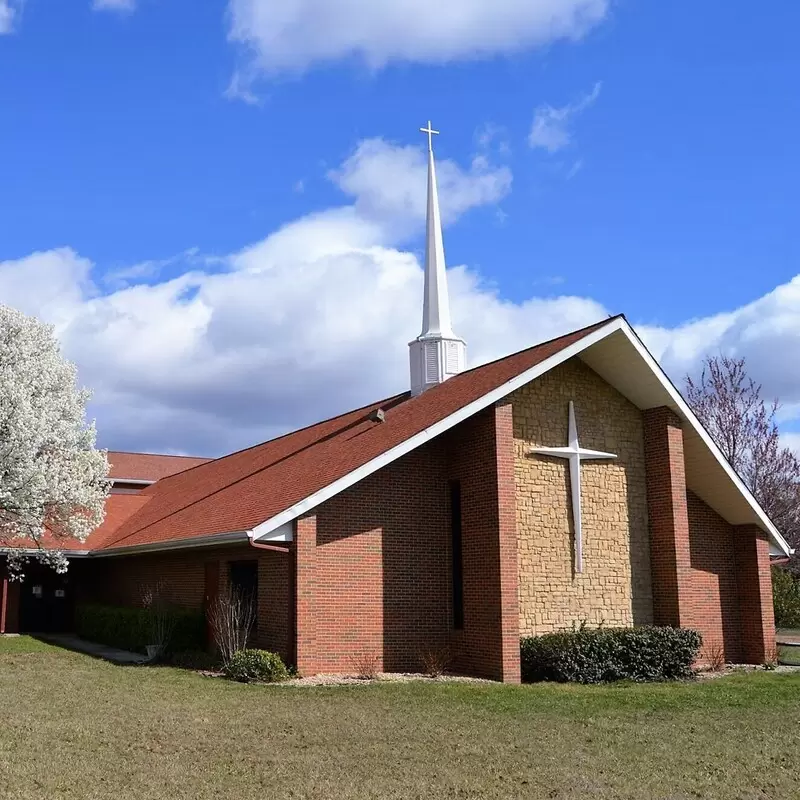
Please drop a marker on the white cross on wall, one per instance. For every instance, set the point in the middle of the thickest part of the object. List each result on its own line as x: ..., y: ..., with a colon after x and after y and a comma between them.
x: 430, y: 131
x: 574, y: 453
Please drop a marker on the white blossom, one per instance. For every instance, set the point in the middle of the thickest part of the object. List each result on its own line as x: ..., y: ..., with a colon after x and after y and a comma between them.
x: 52, y: 479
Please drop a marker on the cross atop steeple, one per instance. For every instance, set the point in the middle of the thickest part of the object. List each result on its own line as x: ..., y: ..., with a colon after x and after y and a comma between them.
x: 437, y: 353
x: 430, y: 133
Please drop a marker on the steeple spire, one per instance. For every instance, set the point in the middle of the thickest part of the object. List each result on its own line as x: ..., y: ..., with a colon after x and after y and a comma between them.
x: 437, y: 353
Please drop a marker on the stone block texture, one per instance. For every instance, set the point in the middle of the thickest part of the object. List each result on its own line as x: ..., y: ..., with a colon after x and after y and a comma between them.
x: 615, y: 586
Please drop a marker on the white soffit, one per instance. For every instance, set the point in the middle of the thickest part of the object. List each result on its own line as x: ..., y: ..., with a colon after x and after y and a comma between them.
x: 616, y: 353
x: 622, y: 361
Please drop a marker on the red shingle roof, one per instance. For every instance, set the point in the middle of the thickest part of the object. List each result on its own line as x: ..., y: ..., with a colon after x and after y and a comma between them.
x: 118, y: 508
x: 148, y: 466
x: 239, y: 491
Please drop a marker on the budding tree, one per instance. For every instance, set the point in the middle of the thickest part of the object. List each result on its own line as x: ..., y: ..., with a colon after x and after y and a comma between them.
x: 730, y: 406
x: 52, y: 479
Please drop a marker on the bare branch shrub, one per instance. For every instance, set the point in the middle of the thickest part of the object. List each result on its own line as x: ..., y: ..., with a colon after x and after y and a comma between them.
x: 365, y: 665
x: 232, y: 617
x: 161, y: 620
x: 435, y: 661
x: 714, y: 656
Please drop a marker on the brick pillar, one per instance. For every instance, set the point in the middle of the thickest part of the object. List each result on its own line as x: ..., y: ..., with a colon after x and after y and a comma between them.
x: 305, y: 632
x: 668, y: 516
x: 754, y: 584
x: 507, y: 543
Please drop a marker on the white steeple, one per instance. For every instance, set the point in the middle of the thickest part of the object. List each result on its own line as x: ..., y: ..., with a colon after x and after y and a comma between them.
x: 437, y: 353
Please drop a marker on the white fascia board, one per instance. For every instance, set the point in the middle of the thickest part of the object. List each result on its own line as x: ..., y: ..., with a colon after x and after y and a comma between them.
x: 176, y: 544
x: 134, y: 481
x: 262, y: 530
x: 690, y: 417
x: 346, y: 481
x: 283, y: 533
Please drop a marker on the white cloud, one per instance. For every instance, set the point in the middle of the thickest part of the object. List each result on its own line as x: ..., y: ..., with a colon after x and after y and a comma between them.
x: 312, y: 320
x: 113, y: 5
x: 551, y: 126
x: 388, y: 184
x: 766, y: 332
x: 315, y: 319
x: 295, y: 34
x: 9, y: 12
x: 239, y: 88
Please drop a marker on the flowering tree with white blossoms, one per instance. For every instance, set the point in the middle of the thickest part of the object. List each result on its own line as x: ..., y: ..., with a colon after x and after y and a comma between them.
x: 53, y: 482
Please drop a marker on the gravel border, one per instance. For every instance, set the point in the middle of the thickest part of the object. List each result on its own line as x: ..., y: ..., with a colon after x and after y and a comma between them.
x: 738, y: 669
x: 348, y: 679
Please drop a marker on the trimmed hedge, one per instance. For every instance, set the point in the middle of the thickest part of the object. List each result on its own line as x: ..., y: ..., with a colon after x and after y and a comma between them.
x: 256, y: 666
x: 601, y: 655
x: 130, y: 628
x: 785, y: 598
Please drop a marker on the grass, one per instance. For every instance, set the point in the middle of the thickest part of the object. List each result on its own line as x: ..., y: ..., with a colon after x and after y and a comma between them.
x: 75, y: 727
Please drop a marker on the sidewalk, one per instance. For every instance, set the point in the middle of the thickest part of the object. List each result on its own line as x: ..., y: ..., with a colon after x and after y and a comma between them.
x: 71, y: 642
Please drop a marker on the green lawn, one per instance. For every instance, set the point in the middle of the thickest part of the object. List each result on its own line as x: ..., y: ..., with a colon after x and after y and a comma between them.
x: 75, y: 727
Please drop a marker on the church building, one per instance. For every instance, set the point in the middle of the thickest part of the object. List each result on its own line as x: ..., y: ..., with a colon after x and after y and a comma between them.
x: 567, y: 483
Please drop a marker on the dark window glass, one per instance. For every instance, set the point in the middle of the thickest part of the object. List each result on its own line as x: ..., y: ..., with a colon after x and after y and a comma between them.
x: 244, y: 579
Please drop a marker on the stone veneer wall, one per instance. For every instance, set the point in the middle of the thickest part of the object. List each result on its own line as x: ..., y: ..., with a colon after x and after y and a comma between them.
x: 615, y: 586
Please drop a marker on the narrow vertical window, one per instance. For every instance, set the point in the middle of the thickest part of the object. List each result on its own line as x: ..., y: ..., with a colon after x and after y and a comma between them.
x: 455, y: 549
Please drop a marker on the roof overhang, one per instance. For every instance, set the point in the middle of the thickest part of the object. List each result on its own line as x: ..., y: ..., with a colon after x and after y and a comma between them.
x: 284, y: 533
x: 608, y: 350
x: 34, y: 551
x: 214, y: 540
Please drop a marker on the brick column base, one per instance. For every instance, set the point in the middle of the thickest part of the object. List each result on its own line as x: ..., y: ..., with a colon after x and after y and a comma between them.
x: 305, y: 631
x: 507, y: 543
x: 754, y: 584
x: 668, y: 515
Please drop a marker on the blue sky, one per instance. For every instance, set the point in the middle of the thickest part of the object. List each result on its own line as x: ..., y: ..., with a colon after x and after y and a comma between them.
x: 147, y: 141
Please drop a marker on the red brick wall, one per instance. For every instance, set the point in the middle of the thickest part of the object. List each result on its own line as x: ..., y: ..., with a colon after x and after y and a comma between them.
x: 275, y: 604
x: 380, y: 584
x: 711, y: 602
x: 119, y: 580
x: 755, y: 593
x: 482, y: 458
x: 667, y: 510
x: 305, y: 550
x: 707, y: 574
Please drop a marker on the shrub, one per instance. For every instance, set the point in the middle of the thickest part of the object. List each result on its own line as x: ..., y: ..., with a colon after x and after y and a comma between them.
x: 610, y: 654
x: 232, y: 617
x: 256, y: 666
x: 365, y: 665
x: 435, y: 661
x: 785, y: 598
x: 714, y: 656
x: 132, y: 628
